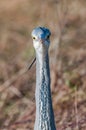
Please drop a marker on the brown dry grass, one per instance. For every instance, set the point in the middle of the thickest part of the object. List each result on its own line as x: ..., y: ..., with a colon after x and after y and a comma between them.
x: 66, y: 20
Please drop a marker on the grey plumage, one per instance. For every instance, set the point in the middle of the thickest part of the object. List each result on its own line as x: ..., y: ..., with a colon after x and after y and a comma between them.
x: 44, y: 110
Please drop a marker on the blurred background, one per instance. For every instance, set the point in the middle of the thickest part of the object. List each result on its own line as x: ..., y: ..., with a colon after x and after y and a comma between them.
x: 67, y: 21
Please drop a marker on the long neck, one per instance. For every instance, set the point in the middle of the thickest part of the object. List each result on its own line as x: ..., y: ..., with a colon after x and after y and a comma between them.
x: 44, y: 111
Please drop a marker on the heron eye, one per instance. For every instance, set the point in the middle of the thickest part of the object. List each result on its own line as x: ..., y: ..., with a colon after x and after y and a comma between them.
x: 33, y: 38
x: 48, y: 37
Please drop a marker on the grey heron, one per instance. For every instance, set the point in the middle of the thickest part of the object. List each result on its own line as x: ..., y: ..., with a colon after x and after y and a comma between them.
x: 44, y: 110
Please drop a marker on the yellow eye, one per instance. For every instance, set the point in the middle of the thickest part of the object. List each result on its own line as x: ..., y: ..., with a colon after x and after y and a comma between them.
x: 33, y: 38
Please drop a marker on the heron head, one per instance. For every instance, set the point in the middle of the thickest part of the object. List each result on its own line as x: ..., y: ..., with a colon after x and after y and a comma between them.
x: 41, y: 38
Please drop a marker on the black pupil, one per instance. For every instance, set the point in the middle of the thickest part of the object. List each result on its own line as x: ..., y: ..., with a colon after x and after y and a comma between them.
x: 48, y: 37
x: 33, y: 37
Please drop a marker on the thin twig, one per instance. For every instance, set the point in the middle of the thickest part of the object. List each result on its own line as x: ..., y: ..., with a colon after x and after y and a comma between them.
x: 9, y: 82
x: 76, y: 109
x: 31, y: 64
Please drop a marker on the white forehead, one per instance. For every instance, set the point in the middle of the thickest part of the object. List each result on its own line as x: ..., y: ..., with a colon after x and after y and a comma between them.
x: 41, y: 32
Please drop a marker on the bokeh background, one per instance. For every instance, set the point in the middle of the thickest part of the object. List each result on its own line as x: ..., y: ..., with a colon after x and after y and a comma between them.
x: 67, y: 21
